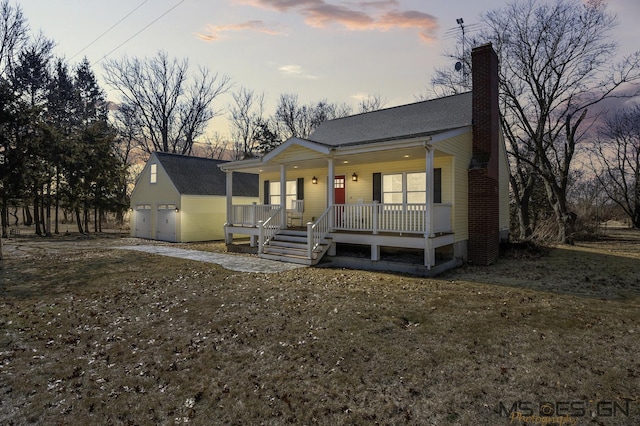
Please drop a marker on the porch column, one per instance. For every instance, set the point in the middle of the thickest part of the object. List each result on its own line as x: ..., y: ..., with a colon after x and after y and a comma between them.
x: 283, y: 196
x: 429, y: 253
x: 428, y: 220
x: 229, y: 194
x: 330, y: 191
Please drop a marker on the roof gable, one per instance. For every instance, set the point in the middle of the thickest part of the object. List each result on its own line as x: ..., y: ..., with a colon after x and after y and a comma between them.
x: 295, y: 142
x: 401, y: 122
x: 202, y: 176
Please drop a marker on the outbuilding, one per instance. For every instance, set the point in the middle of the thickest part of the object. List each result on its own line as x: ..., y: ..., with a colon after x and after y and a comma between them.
x: 179, y: 198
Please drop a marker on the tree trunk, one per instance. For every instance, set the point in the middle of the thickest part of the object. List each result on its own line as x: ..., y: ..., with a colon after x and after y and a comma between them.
x: 523, y: 200
x: 78, y: 221
x: 48, y: 210
x: 15, y: 215
x: 95, y: 219
x: 36, y: 212
x: 42, y: 214
x: 56, y: 230
x: 28, y: 218
x: 565, y: 219
x: 5, y: 216
x: 635, y: 218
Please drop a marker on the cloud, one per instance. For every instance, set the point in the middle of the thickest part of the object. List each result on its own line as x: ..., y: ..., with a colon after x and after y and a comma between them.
x: 215, y: 32
x: 427, y: 24
x: 297, y: 71
x: 323, y: 15
x: 364, y: 15
x: 381, y: 4
x: 282, y: 5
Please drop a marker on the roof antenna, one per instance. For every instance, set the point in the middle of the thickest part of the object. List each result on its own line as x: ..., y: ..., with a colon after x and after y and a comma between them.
x: 460, y: 64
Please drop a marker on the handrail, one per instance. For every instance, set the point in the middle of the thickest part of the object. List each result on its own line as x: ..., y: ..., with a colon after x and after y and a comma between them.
x: 250, y: 214
x: 317, y: 231
x: 268, y: 228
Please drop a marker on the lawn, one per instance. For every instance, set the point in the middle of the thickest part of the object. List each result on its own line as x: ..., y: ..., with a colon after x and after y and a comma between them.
x: 93, y: 334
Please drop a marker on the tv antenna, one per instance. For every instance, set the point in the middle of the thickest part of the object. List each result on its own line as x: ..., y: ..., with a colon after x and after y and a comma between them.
x: 460, y: 64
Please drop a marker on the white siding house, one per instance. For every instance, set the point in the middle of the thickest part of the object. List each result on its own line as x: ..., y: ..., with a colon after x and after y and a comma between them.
x: 429, y: 176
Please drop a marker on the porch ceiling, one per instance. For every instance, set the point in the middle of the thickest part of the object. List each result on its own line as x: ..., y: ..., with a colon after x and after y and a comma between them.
x: 316, y: 160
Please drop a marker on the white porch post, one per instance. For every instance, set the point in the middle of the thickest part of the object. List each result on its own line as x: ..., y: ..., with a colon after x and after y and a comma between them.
x: 429, y: 253
x: 330, y: 191
x: 283, y: 196
x: 428, y: 222
x: 229, y: 192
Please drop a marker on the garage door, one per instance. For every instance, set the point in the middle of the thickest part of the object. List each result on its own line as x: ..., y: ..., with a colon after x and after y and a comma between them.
x: 166, y: 229
x: 143, y: 221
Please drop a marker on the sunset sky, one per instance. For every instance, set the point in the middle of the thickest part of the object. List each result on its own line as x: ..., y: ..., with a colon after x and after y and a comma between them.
x: 318, y: 49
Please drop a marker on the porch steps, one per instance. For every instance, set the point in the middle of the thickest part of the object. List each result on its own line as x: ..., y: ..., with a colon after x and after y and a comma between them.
x: 291, y: 246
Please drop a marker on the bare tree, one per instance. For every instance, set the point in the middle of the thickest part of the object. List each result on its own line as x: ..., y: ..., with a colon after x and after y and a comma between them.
x: 295, y: 120
x: 13, y: 36
x: 556, y: 65
x: 14, y: 31
x: 246, y: 112
x: 371, y: 103
x: 216, y: 147
x: 616, y: 160
x: 171, y: 106
x: 557, y: 60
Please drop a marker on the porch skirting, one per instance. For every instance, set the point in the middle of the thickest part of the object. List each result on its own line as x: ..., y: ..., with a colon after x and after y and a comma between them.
x: 389, y: 266
x: 375, y: 242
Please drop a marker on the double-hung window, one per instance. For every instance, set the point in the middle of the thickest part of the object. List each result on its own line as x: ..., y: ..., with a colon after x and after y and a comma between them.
x: 274, y: 193
x: 409, y: 187
x: 400, y: 188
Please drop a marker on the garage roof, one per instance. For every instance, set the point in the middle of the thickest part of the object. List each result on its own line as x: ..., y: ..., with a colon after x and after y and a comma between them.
x: 202, y: 176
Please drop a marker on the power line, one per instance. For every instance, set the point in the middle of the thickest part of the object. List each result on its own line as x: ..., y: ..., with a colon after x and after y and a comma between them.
x: 136, y: 34
x: 110, y: 28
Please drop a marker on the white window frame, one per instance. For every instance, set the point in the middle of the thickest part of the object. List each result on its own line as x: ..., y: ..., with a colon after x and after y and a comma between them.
x: 153, y: 173
x: 291, y: 195
x: 404, y: 190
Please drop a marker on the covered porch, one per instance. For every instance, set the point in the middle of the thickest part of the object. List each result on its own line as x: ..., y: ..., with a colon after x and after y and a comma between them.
x: 397, y: 195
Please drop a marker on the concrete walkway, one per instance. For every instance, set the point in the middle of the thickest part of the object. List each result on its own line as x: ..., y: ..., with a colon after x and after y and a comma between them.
x: 232, y: 262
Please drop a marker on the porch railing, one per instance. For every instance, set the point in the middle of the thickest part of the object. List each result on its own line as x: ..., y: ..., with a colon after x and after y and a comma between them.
x: 318, y: 231
x: 375, y: 218
x: 403, y: 218
x: 250, y: 214
x: 268, y: 228
x: 442, y: 218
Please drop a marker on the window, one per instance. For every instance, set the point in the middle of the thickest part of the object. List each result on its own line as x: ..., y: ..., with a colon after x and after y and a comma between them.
x: 392, y: 192
x: 416, y: 188
x: 399, y: 188
x: 410, y: 188
x: 274, y: 192
x: 154, y: 173
x: 391, y: 188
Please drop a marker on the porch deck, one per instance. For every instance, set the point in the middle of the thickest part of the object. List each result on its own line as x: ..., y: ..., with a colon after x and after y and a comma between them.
x: 376, y: 225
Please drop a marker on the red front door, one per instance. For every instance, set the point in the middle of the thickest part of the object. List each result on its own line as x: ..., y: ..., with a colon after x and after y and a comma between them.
x: 338, y: 190
x: 338, y: 198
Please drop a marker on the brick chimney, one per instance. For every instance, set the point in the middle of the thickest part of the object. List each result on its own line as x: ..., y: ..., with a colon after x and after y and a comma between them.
x: 484, y: 214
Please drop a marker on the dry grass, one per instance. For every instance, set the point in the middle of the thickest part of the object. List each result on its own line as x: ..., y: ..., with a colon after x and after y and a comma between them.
x: 106, y: 336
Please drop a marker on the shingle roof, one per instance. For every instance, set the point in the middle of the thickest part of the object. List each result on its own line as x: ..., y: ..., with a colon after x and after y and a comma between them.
x: 401, y: 122
x: 202, y: 176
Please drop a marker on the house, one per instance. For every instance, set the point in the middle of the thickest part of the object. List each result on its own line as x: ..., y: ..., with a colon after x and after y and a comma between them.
x: 431, y: 177
x: 179, y: 198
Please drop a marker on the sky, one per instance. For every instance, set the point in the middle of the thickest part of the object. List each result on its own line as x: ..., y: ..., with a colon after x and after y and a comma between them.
x: 338, y: 50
